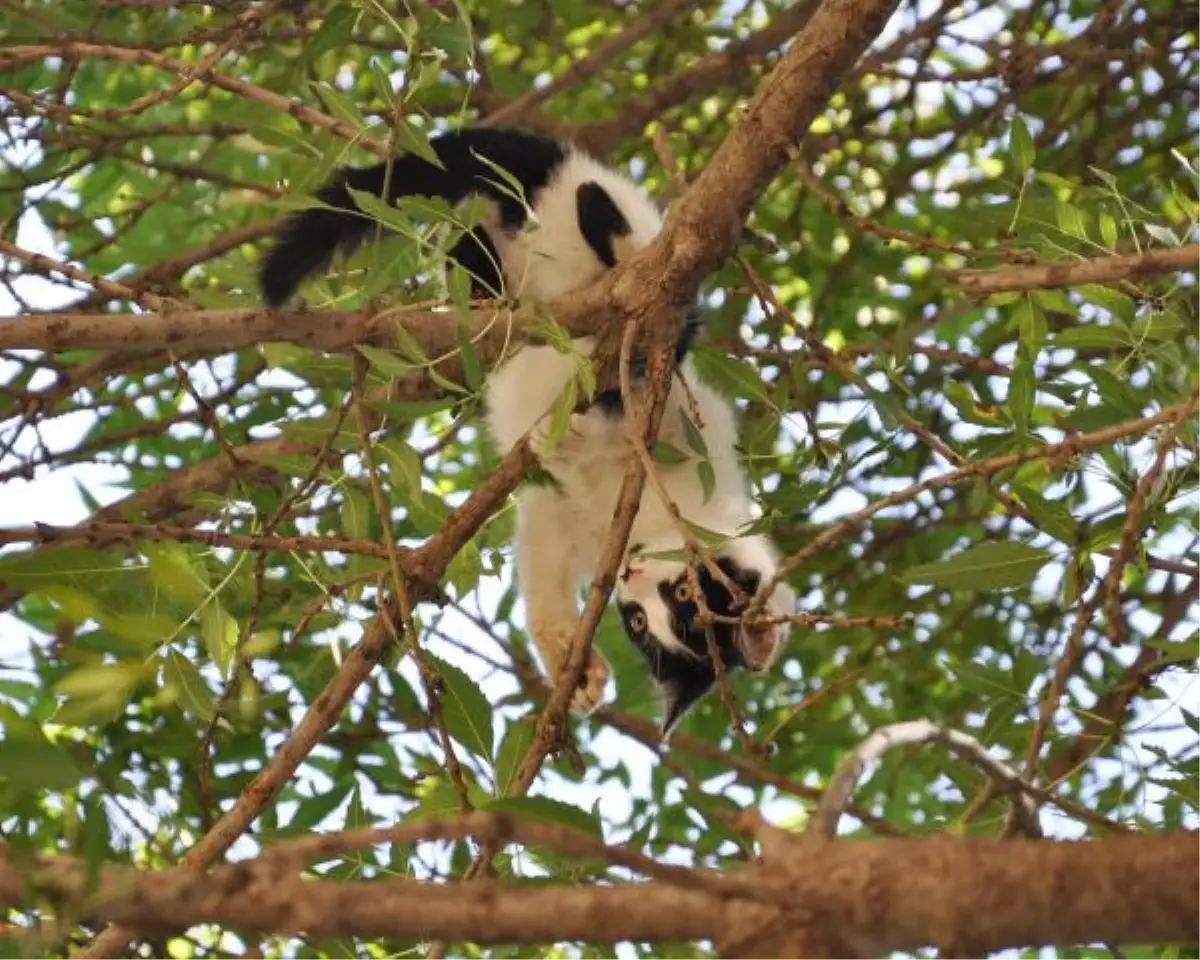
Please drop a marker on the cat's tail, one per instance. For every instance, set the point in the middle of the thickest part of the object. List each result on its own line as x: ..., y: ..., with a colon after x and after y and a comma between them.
x: 471, y: 162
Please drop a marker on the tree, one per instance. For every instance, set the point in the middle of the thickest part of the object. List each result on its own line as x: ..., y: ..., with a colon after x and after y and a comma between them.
x: 949, y: 256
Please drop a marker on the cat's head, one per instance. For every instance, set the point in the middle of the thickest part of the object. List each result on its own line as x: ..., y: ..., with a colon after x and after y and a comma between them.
x: 659, y: 610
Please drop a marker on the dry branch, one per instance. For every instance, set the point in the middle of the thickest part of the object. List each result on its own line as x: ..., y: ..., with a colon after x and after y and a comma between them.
x: 912, y: 733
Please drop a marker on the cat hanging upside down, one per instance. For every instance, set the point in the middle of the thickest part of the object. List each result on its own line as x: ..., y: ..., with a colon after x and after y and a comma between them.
x: 586, y: 218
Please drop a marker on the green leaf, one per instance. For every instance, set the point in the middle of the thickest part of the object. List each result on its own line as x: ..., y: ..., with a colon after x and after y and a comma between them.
x: 1106, y: 532
x: 382, y: 82
x: 1031, y: 324
x: 1058, y: 301
x: 172, y: 571
x: 995, y: 565
x: 560, y: 415
x: 667, y: 454
x: 465, y: 710
x: 987, y: 680
x: 1108, y: 230
x: 507, y: 184
x: 356, y: 513
x: 310, y: 811
x: 692, y: 435
x: 1157, y: 326
x: 383, y: 213
x: 513, y: 748
x: 102, y: 678
x: 969, y: 408
x: 1115, y: 392
x: 548, y: 811
x: 1021, y: 394
x: 341, y: 106
x: 465, y: 569
x: 99, y: 693
x: 1091, y: 337
x: 404, y: 465
x: 586, y: 374
x: 438, y: 798
x: 32, y: 569
x: 453, y: 35
x: 385, y: 363
x: 184, y: 681
x: 710, y: 538
x: 1178, y: 651
x: 708, y: 478
x: 296, y: 203
x: 472, y: 369
x: 1051, y: 517
x: 1112, y: 301
x: 220, y: 633
x: 413, y: 139
x: 337, y: 24
x: 1020, y: 144
x: 1070, y: 219
x: 730, y: 375
x: 31, y: 762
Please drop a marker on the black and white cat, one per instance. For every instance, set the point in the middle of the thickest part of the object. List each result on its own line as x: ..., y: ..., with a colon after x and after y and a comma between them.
x: 576, y: 219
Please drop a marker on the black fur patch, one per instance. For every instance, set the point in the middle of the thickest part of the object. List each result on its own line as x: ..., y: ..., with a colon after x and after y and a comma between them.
x: 686, y: 679
x: 476, y: 254
x: 308, y: 241
x: 600, y: 221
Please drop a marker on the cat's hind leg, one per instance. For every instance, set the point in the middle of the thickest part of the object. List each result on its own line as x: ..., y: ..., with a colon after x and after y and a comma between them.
x: 548, y: 572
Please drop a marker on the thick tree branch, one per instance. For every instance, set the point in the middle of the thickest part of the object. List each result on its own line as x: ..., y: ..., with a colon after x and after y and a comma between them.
x: 870, y: 897
x: 222, y: 330
x: 1069, y: 273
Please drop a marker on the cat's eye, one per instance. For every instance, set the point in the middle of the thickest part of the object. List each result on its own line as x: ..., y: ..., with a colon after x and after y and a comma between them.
x: 683, y: 591
x: 637, y: 622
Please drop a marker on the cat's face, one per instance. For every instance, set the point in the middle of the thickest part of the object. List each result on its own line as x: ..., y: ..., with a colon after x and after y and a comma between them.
x: 659, y: 609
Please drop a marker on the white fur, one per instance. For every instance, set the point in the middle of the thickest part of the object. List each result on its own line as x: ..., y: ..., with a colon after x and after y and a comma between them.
x: 561, y: 532
x: 550, y: 257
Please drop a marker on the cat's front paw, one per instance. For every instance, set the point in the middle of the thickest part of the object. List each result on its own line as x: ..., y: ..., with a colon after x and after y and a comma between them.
x: 554, y: 643
x: 590, y: 692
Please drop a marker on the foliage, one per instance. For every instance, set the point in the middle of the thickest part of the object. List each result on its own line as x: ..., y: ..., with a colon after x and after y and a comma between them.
x: 146, y: 680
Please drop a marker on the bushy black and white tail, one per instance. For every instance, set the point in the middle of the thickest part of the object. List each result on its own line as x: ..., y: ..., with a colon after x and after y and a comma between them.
x: 309, y: 240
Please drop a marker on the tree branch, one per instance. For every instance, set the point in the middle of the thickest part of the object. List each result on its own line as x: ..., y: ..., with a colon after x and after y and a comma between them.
x: 1069, y: 273
x: 220, y: 330
x: 873, y: 897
